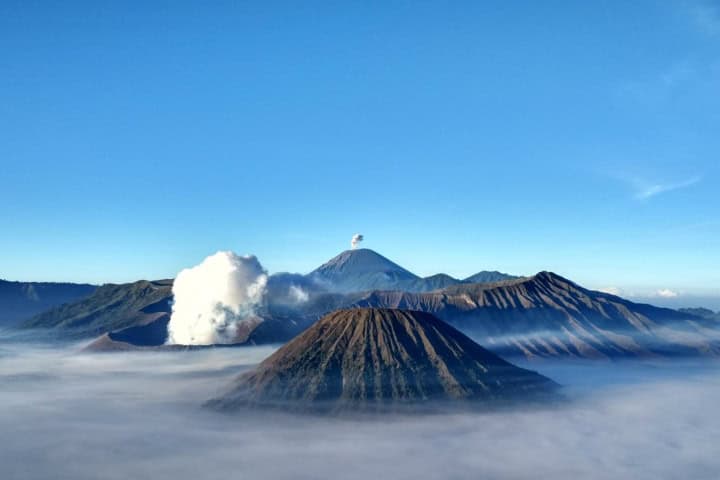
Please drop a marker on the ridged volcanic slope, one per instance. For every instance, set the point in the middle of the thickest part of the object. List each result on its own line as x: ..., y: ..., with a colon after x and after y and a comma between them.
x: 366, y: 357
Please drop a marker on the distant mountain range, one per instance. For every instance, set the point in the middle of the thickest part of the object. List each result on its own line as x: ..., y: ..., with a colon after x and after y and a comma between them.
x: 541, y: 316
x: 364, y: 269
x: 547, y: 315
x: 115, y: 307
x: 369, y: 359
x: 21, y: 300
x: 702, y: 312
x: 110, y: 307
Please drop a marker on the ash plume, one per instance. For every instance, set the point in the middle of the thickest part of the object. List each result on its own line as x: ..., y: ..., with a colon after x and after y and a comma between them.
x: 213, y: 298
x: 356, y: 239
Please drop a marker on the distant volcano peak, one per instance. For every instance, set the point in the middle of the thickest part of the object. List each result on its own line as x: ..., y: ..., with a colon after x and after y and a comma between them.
x: 361, y: 269
x: 362, y: 260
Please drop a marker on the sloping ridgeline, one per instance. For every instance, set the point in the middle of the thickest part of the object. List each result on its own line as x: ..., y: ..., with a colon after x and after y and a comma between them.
x: 110, y: 307
x: 547, y: 315
x: 21, y: 300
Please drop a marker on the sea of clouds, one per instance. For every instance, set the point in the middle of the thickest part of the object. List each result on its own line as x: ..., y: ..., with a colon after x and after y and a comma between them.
x: 65, y: 415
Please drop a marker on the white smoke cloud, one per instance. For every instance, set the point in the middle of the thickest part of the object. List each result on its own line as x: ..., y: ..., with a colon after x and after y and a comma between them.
x: 212, y: 299
x: 356, y: 239
x: 611, y: 290
x: 297, y: 294
x: 666, y: 293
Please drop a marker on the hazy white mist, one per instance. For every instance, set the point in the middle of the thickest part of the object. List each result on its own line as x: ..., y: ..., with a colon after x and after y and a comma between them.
x: 137, y: 415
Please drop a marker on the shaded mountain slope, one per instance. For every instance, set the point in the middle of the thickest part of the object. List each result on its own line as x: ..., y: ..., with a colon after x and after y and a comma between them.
x: 153, y: 334
x: 434, y: 282
x: 110, y: 307
x: 547, y: 315
x: 21, y: 300
x: 135, y: 315
x: 702, y: 312
x: 366, y: 358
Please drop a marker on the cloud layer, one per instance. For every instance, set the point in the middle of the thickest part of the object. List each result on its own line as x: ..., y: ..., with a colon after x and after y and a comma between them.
x: 67, y: 416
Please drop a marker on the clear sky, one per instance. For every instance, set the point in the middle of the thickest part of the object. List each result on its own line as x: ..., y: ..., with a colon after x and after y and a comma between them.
x: 579, y: 137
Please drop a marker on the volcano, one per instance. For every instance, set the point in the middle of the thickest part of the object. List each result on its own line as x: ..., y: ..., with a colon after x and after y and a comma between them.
x: 362, y: 269
x: 366, y: 359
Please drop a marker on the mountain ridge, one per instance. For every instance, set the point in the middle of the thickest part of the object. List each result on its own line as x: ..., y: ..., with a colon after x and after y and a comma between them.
x: 110, y: 307
x: 541, y: 316
x: 22, y: 300
x: 364, y: 269
x: 546, y: 315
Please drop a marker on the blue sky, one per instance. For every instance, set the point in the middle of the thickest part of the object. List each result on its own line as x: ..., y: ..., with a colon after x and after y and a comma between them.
x: 579, y: 137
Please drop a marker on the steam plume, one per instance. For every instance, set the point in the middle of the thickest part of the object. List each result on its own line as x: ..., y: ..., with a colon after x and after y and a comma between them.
x: 356, y: 239
x: 298, y: 294
x: 213, y: 298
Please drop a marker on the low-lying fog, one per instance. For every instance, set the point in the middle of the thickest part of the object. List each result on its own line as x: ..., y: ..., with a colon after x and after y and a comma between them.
x: 136, y: 415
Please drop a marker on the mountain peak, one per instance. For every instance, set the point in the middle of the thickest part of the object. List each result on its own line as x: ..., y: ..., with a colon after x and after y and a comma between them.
x: 369, y: 357
x: 361, y: 269
x: 361, y: 259
x: 551, y: 277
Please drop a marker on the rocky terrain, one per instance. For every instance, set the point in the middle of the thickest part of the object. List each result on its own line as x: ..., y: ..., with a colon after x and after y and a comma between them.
x: 365, y: 358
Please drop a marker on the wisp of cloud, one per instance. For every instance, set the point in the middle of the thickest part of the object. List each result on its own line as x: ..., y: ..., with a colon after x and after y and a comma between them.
x: 646, y: 190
